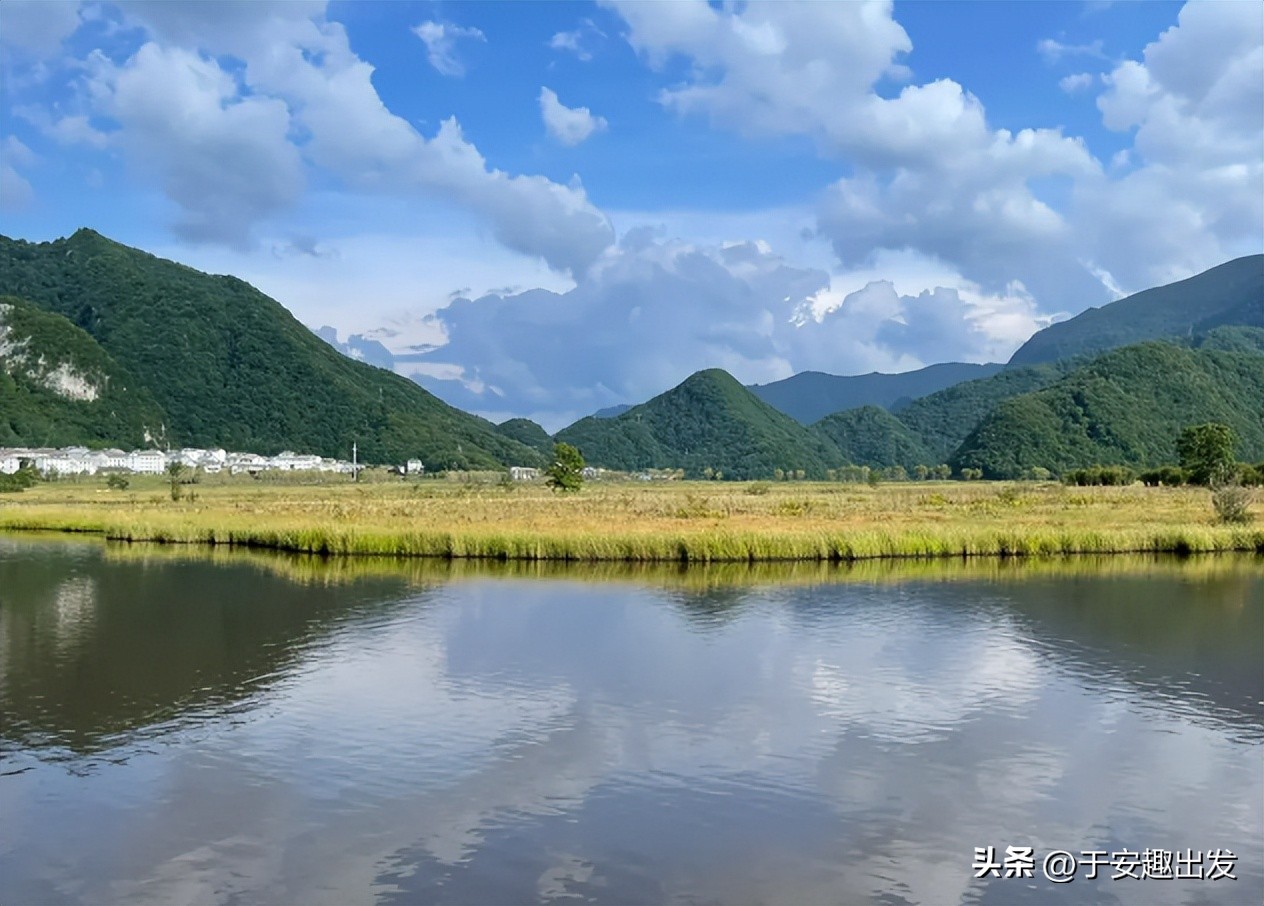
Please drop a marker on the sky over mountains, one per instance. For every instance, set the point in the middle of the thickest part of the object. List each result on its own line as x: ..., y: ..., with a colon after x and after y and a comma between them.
x: 542, y: 209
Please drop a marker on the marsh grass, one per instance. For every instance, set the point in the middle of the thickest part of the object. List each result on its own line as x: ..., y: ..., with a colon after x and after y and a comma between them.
x: 654, y: 522
x: 427, y: 571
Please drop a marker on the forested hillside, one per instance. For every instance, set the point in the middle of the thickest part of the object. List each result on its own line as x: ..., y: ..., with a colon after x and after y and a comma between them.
x: 1126, y: 407
x: 58, y: 387
x: 709, y: 422
x: 527, y: 432
x: 1232, y: 293
x: 942, y: 420
x: 230, y: 367
x: 870, y: 436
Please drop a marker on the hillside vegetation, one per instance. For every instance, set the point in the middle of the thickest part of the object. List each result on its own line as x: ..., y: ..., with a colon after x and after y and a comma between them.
x: 1232, y: 293
x: 941, y: 421
x: 58, y: 387
x: 709, y: 422
x: 527, y: 432
x: 870, y: 436
x: 230, y: 367
x: 1126, y: 407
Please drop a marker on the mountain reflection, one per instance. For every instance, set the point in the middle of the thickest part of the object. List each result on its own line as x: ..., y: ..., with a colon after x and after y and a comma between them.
x: 259, y: 728
x: 93, y: 650
x: 98, y: 642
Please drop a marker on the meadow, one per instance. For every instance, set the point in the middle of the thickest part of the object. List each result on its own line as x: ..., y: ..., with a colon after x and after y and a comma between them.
x: 637, y: 521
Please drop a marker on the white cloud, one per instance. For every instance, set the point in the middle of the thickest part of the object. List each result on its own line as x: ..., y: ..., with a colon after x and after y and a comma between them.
x: 1054, y: 51
x: 15, y: 191
x: 440, y: 39
x: 1195, y: 193
x: 1077, y: 82
x: 929, y: 172
x: 38, y: 27
x: 653, y: 311
x: 568, y: 125
x: 224, y: 158
x: 931, y: 175
x: 579, y: 40
x: 233, y: 150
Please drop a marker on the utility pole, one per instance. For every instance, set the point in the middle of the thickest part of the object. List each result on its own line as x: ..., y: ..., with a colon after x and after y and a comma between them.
x: 355, y: 468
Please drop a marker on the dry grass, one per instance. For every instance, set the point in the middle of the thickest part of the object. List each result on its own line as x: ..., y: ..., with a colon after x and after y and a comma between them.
x: 698, y: 521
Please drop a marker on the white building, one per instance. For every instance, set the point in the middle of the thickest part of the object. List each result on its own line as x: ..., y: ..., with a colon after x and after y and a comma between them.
x: 147, y: 462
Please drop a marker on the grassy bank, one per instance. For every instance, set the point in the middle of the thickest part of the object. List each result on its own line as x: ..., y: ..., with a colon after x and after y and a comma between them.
x: 694, y: 522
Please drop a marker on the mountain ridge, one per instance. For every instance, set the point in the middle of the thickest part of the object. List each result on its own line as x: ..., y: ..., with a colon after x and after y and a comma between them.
x: 231, y: 367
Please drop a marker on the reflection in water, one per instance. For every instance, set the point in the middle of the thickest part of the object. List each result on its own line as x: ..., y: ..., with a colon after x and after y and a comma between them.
x: 184, y: 725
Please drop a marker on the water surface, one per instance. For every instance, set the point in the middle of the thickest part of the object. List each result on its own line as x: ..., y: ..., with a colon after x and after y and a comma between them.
x: 192, y: 726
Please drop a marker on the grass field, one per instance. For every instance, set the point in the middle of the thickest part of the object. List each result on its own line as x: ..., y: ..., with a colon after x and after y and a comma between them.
x: 644, y: 522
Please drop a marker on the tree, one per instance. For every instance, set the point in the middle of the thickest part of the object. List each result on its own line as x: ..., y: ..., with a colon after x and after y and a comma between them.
x: 566, y: 472
x: 175, y: 471
x: 1207, y: 452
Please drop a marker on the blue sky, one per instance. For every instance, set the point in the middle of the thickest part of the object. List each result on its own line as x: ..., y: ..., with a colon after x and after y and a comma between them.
x: 545, y: 208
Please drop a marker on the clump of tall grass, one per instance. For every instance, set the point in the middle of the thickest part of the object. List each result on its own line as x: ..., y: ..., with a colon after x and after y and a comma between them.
x: 1232, y: 504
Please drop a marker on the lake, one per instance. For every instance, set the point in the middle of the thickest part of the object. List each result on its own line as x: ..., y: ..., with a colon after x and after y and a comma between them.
x: 184, y: 725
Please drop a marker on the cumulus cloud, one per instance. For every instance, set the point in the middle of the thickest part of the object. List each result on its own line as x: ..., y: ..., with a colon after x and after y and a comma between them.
x: 36, y: 28
x: 1194, y: 195
x: 224, y: 158
x: 1054, y: 51
x: 440, y: 39
x: 652, y: 311
x: 579, y: 40
x: 1077, y: 82
x: 929, y: 173
x: 568, y: 125
x: 15, y: 191
x: 232, y: 147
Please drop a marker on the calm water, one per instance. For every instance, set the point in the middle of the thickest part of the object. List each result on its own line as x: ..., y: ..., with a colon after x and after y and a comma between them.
x: 188, y: 727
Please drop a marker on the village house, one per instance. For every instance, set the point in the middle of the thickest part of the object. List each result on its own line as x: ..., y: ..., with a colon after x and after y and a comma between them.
x: 70, y: 461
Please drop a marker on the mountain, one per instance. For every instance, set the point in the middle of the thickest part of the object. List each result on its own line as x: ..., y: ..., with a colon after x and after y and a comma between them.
x: 872, y: 436
x: 230, y: 367
x: 525, y: 431
x: 58, y: 387
x: 1231, y: 293
x: 941, y: 421
x: 708, y: 422
x: 612, y: 411
x: 809, y: 396
x: 1125, y: 407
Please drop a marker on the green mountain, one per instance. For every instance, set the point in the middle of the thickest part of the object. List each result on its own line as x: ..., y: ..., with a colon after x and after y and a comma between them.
x: 58, y: 387
x: 708, y: 422
x: 1126, y: 407
x: 941, y: 421
x: 809, y: 396
x: 525, y: 431
x: 1232, y: 293
x: 872, y: 436
x: 230, y: 367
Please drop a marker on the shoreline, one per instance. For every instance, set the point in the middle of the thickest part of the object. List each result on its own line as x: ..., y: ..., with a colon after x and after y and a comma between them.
x: 690, y: 522
x: 697, y: 548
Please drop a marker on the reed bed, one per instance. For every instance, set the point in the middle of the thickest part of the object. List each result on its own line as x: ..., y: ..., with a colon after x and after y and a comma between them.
x: 312, y: 569
x: 686, y: 522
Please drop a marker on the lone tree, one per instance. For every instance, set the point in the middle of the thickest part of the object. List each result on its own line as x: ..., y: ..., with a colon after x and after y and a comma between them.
x: 566, y: 472
x: 175, y: 472
x: 1207, y: 452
